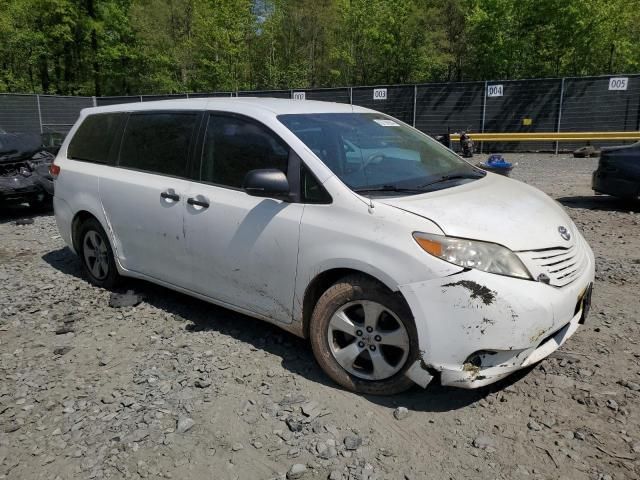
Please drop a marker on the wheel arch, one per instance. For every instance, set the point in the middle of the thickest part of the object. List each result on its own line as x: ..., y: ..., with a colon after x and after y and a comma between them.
x: 323, y: 281
x: 78, y: 219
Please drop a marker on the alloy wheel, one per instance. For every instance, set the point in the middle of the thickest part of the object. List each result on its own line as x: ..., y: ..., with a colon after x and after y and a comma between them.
x: 96, y: 255
x: 368, y: 340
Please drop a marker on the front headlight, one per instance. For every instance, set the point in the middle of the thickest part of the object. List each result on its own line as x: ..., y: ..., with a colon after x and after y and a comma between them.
x: 485, y: 256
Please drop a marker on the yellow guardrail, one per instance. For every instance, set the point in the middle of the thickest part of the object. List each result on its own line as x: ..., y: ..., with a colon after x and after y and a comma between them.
x: 548, y: 136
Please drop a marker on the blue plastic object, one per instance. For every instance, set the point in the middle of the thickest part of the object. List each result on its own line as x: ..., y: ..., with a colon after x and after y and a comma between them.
x: 496, y: 164
x: 497, y: 161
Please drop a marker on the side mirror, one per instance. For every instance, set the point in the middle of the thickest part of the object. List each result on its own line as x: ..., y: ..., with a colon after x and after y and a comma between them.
x: 267, y: 182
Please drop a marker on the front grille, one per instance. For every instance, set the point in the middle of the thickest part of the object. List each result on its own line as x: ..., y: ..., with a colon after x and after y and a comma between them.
x: 561, y: 264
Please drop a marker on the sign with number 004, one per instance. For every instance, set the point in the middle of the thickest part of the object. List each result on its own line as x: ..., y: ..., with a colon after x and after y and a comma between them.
x: 618, y: 83
x: 494, y: 90
x: 379, y: 93
x: 299, y: 96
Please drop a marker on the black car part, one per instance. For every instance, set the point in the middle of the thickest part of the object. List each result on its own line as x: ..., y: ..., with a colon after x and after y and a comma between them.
x: 24, y: 170
x: 618, y: 172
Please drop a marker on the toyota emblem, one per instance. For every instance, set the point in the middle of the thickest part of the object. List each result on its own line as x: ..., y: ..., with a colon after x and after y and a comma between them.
x: 564, y: 233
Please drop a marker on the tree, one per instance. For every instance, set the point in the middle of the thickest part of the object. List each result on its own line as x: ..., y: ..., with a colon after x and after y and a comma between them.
x: 115, y: 47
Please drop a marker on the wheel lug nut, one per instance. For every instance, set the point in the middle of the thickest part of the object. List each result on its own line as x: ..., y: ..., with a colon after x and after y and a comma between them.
x: 359, y: 333
x: 372, y: 348
x: 378, y: 338
x: 369, y: 329
x: 361, y: 344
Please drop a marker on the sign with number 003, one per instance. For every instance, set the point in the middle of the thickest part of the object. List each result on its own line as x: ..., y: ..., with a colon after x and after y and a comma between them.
x: 618, y: 83
x: 494, y: 90
x: 379, y: 93
x: 299, y: 95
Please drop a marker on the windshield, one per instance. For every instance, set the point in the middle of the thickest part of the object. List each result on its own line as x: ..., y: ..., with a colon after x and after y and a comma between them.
x: 371, y: 152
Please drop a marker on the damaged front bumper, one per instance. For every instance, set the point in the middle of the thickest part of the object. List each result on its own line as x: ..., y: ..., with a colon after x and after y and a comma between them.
x: 475, y: 328
x: 17, y: 189
x: 492, y: 367
x: 25, y: 181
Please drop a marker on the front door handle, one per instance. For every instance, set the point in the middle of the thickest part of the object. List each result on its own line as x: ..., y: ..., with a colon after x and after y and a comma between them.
x: 197, y: 203
x: 170, y: 196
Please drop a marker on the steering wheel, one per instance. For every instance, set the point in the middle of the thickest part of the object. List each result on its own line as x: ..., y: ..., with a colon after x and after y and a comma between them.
x: 371, y: 160
x: 374, y: 159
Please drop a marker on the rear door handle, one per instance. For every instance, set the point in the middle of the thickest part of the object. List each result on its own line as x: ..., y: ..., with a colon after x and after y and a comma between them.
x: 170, y: 196
x: 197, y: 203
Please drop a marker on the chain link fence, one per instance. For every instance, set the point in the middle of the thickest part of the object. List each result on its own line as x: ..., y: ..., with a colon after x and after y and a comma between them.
x: 585, y: 104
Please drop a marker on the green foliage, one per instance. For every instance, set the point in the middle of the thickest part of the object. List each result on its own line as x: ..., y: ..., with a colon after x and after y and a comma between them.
x: 119, y: 47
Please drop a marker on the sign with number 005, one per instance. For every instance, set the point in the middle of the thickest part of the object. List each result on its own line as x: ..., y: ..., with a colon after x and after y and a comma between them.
x: 494, y: 90
x: 379, y: 93
x: 618, y: 83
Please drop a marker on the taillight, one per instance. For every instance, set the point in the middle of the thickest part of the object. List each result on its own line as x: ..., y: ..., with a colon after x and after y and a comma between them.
x: 54, y: 170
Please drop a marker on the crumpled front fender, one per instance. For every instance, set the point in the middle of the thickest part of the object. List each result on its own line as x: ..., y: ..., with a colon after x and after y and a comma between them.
x: 476, y: 327
x: 471, y: 311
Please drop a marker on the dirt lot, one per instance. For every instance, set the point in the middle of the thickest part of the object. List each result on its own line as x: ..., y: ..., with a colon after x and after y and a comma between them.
x: 177, y: 388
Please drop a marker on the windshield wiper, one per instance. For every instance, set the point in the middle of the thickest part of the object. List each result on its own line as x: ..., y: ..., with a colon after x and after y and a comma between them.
x: 419, y: 188
x: 446, y: 178
x: 387, y: 188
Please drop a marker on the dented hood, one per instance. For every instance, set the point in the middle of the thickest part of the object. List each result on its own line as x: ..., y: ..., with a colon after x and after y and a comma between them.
x: 493, y: 209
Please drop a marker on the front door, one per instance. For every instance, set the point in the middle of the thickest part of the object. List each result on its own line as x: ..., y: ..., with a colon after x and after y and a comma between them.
x: 243, y: 249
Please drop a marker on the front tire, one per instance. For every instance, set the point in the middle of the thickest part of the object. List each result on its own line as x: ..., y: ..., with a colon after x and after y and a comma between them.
x: 96, y: 255
x: 364, y: 337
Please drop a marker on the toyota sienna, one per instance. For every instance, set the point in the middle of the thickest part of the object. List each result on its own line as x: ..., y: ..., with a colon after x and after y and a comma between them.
x: 397, y: 259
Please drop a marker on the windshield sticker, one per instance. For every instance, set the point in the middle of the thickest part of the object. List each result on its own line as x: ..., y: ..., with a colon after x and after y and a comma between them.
x: 386, y: 123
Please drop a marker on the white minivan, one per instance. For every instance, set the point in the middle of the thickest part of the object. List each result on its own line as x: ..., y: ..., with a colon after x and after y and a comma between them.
x: 399, y: 261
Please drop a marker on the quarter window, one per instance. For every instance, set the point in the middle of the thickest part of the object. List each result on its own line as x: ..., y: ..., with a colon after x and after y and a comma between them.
x: 312, y: 190
x: 158, y: 142
x: 92, y: 141
x: 234, y: 146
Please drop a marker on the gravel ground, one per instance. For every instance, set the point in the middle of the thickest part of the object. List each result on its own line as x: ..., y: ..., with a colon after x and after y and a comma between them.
x: 176, y: 388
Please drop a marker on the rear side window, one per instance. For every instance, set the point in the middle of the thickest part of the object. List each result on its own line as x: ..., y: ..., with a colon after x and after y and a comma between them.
x: 233, y: 146
x: 158, y: 142
x: 94, y: 138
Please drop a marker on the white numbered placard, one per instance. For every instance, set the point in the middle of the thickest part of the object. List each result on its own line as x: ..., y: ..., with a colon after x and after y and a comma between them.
x: 494, y: 90
x: 618, y: 83
x: 299, y: 95
x: 379, y: 93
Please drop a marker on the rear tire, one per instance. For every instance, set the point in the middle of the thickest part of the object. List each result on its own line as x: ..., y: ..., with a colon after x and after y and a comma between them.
x: 364, y: 337
x: 96, y: 255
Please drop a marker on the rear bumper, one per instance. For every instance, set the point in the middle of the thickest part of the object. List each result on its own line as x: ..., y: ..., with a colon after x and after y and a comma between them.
x: 607, y: 183
x: 475, y: 328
